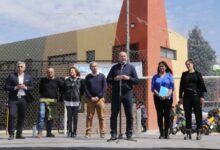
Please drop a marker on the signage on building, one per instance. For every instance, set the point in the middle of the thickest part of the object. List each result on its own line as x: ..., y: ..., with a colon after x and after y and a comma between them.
x: 105, y: 68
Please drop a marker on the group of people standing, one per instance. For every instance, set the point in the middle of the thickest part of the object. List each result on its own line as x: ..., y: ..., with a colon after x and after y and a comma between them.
x: 70, y: 90
x: 121, y: 77
x: 191, y: 95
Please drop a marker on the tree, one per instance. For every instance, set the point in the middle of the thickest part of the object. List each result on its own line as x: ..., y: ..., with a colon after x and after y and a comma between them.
x: 201, y: 52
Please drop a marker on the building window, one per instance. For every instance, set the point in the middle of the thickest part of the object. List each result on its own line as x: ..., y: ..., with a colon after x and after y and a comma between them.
x: 61, y: 59
x: 168, y: 53
x: 90, y: 56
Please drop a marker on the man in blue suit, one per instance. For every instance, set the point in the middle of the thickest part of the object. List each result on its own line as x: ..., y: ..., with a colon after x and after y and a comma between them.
x: 18, y: 84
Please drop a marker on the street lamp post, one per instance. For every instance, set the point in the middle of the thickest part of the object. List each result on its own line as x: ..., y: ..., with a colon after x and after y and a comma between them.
x: 127, y: 30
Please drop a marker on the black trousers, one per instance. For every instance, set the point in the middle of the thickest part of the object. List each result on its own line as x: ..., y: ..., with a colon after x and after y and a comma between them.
x: 191, y: 101
x: 17, y: 109
x: 115, y: 106
x: 163, y: 108
x: 72, y: 118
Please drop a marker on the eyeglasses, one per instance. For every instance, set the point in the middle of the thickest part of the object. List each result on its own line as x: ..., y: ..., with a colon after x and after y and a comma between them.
x: 20, y: 66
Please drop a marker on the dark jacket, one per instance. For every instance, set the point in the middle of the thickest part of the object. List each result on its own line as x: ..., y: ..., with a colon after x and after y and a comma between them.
x: 201, y: 88
x: 119, y: 69
x: 12, y: 81
x: 73, y: 89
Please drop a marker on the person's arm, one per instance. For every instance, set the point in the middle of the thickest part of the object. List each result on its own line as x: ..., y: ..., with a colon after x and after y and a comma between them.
x: 61, y: 89
x: 153, y: 88
x: 133, y: 78
x: 110, y: 77
x: 41, y: 87
x: 87, y: 92
x: 181, y: 88
x: 104, y: 83
x: 202, y: 87
x: 171, y: 88
x: 104, y: 86
x: 8, y: 86
x: 30, y: 87
x: 82, y: 88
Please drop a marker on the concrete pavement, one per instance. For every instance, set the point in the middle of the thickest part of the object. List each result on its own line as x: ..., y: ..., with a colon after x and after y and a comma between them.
x: 148, y: 140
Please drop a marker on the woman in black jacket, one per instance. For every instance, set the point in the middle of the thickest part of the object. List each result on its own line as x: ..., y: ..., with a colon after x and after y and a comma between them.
x: 73, y: 90
x: 191, y: 94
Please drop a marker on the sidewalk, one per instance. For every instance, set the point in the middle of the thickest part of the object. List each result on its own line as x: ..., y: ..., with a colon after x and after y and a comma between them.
x: 148, y: 140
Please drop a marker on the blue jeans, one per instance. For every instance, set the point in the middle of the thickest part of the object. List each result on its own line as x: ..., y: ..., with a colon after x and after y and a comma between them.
x: 44, y: 117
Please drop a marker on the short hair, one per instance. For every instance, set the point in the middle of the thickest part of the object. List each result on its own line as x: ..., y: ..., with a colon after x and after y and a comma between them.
x: 21, y: 62
x: 91, y: 63
x: 77, y: 71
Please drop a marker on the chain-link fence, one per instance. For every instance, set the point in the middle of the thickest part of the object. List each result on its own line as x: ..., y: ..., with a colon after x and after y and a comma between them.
x: 37, y: 69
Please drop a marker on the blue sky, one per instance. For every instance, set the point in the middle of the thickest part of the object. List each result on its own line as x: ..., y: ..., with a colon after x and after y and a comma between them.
x: 183, y: 15
x: 34, y: 18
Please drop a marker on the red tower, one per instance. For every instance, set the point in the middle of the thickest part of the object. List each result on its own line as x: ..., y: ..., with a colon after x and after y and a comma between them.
x: 148, y: 33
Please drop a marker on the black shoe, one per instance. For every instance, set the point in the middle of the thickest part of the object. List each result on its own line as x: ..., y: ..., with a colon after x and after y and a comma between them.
x: 113, y: 138
x: 161, y: 137
x: 167, y: 137
x: 144, y: 129
x: 69, y: 134
x: 198, y: 137
x: 19, y: 136
x: 188, y: 137
x: 129, y: 137
x: 73, y: 134
x: 50, y: 135
x: 11, y: 137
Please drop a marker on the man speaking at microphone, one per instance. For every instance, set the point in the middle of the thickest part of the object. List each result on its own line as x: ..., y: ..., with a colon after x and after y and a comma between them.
x: 122, y: 76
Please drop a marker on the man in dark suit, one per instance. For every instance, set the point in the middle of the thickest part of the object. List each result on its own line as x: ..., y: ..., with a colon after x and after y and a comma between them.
x: 18, y: 84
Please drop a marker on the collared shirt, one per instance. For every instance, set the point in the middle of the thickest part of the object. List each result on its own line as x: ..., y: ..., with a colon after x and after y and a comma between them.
x: 21, y: 81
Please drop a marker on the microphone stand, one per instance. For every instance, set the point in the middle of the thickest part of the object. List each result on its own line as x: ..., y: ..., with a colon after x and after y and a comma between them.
x: 120, y: 136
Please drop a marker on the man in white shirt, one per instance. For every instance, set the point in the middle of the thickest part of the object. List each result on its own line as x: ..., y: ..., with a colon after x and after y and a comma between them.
x: 18, y: 84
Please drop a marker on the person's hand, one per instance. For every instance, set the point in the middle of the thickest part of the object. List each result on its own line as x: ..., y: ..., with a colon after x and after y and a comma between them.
x: 202, y: 101
x: 164, y: 97
x: 118, y: 77
x: 94, y: 99
x: 17, y: 87
x: 122, y: 77
x: 20, y: 87
x: 125, y: 77
x: 160, y: 97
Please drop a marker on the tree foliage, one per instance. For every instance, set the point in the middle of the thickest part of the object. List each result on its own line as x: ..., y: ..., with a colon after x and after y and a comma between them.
x: 201, y: 52
x: 204, y: 58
